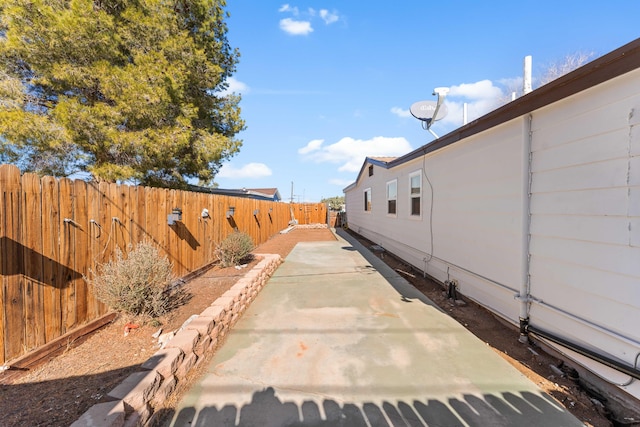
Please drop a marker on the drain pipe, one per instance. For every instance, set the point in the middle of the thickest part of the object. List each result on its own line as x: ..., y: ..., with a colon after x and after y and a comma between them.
x: 632, y: 371
x: 525, y: 283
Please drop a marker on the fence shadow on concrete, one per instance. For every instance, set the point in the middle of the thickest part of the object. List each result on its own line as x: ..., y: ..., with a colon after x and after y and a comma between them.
x: 266, y: 409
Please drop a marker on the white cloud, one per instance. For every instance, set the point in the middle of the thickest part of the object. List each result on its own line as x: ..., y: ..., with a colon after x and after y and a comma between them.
x: 328, y: 17
x: 288, y: 8
x: 400, y: 112
x: 480, y: 97
x: 350, y: 153
x: 250, y: 170
x: 483, y: 89
x: 235, y: 86
x: 302, y: 26
x: 295, y: 28
x: 311, y: 146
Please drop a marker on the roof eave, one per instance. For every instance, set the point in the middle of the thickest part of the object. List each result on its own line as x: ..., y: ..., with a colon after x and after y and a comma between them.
x: 607, y: 67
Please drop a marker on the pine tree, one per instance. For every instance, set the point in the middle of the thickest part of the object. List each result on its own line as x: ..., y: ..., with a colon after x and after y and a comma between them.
x: 125, y: 90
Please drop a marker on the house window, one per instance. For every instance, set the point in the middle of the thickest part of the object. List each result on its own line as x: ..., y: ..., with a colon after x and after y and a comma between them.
x: 392, y: 196
x: 370, y: 170
x: 415, y: 192
x: 367, y: 199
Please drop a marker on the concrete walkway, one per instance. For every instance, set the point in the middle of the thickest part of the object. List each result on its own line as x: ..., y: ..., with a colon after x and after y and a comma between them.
x: 336, y: 338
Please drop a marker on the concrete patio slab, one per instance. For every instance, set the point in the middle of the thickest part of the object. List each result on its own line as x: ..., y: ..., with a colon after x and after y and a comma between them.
x: 336, y: 338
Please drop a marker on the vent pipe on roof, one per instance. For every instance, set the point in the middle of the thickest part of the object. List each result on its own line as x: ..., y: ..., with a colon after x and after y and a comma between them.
x: 526, y: 83
x: 464, y: 113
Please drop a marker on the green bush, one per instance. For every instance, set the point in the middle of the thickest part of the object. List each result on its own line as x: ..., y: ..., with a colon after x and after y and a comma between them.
x: 234, y: 249
x: 138, y: 284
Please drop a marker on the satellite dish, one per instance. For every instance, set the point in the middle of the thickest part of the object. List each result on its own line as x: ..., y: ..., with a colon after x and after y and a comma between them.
x: 423, y: 110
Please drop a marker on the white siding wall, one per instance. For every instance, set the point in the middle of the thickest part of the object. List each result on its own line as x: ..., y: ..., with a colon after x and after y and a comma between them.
x: 585, y: 217
x: 477, y: 215
x: 585, y: 205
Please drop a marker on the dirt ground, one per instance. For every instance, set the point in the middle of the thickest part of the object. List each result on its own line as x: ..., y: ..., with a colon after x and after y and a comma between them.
x: 59, y: 391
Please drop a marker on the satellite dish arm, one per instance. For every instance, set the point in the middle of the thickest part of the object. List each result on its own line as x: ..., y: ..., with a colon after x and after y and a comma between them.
x: 442, y: 94
x: 435, y: 113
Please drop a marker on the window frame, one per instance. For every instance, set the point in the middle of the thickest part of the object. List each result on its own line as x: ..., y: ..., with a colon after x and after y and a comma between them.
x: 367, y: 199
x: 417, y: 195
x: 393, y: 182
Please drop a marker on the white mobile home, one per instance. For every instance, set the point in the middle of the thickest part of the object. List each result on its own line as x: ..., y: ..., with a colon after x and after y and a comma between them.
x: 533, y: 210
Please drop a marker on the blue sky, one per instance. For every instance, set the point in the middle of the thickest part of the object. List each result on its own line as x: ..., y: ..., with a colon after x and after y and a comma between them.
x: 326, y: 83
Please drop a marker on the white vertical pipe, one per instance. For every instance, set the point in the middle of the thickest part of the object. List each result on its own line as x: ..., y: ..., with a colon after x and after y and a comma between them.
x: 464, y: 113
x: 526, y: 82
x: 525, y: 281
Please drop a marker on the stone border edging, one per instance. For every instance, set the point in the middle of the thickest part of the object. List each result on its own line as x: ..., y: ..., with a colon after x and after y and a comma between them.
x: 141, y: 392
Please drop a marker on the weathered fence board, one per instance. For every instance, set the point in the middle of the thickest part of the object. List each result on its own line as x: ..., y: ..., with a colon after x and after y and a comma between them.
x: 81, y: 250
x: 95, y: 234
x: 50, y: 253
x: 65, y: 264
x: 33, y: 263
x: 56, y: 232
x: 12, y: 262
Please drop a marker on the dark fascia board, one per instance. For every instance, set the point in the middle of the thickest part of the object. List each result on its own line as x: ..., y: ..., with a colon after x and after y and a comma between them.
x: 377, y: 162
x: 350, y: 186
x: 367, y: 160
x: 600, y: 70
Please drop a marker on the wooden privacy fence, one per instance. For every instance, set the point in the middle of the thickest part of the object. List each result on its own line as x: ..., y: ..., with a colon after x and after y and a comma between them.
x: 53, y: 232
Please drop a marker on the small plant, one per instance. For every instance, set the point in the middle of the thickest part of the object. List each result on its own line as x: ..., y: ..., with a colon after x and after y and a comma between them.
x: 139, y: 284
x: 234, y: 249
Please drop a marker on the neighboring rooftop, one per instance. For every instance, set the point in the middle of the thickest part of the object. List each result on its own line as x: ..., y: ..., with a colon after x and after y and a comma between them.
x: 271, y: 194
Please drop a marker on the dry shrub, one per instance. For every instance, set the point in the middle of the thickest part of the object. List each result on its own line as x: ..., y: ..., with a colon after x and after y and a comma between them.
x: 234, y: 249
x: 138, y: 284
